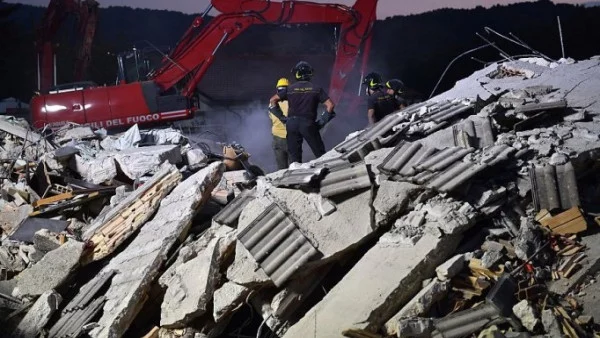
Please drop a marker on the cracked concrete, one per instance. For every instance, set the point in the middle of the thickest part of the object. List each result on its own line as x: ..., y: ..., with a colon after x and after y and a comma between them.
x: 137, y: 266
x: 368, y: 294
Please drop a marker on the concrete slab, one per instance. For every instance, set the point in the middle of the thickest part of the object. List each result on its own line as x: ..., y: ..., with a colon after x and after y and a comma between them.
x: 419, y: 305
x: 376, y: 288
x: 51, y: 271
x: 244, y: 270
x: 332, y: 234
x: 137, y: 162
x: 450, y: 268
x: 225, y: 237
x: 96, y: 171
x: 227, y: 298
x: 190, y: 289
x: 38, y: 315
x: 10, y: 217
x: 391, y: 200
x: 138, y: 264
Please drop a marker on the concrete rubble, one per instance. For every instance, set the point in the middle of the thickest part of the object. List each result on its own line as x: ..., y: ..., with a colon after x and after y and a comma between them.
x: 471, y: 214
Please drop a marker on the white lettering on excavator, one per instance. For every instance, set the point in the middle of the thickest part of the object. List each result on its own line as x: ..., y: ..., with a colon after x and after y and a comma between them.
x: 143, y: 118
x: 113, y: 122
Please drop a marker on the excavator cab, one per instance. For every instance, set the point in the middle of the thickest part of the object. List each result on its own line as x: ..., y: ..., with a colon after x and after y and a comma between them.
x: 137, y: 64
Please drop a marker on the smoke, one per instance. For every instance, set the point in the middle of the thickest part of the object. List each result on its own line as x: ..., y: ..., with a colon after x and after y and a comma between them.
x: 250, y: 126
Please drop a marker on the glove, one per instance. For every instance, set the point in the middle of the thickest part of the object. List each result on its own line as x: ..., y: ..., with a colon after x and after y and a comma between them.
x: 276, y: 111
x: 325, y: 118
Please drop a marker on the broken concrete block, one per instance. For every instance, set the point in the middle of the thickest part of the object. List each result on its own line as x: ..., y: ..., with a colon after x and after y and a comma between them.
x: 245, y: 270
x: 77, y: 133
x: 551, y: 325
x: 558, y: 159
x: 51, y: 271
x: 333, y: 234
x: 419, y: 305
x: 10, y: 218
x: 190, y: 289
x: 394, y: 273
x: 225, y: 237
x: 196, y: 159
x: 526, y: 314
x: 227, y: 298
x: 38, y: 315
x: 138, y: 264
x: 528, y: 241
x: 137, y: 162
x: 450, y: 268
x: 415, y: 327
x: 391, y: 199
x: 96, y: 171
x: 490, y: 258
x: 45, y: 241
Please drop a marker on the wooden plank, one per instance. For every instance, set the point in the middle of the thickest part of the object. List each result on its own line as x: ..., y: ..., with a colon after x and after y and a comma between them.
x: 52, y: 199
x: 568, y: 222
x: 153, y: 333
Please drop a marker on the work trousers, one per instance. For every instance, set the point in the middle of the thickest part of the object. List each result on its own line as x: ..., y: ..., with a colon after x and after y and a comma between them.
x: 281, y: 152
x: 299, y: 129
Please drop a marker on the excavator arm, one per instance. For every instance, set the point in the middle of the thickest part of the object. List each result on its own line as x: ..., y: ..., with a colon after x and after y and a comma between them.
x: 190, y: 59
x: 86, y: 12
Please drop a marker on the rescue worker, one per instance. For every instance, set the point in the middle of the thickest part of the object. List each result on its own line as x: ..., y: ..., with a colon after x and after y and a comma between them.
x: 301, y: 123
x: 278, y: 128
x: 395, y: 88
x: 379, y: 103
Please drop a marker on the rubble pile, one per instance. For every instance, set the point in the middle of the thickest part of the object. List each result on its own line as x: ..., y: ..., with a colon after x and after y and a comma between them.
x: 471, y: 214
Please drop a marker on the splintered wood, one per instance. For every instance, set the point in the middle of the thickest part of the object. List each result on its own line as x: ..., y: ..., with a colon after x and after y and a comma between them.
x: 108, y: 232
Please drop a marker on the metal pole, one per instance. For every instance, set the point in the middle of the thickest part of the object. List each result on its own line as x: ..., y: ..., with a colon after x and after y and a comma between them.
x: 562, y: 45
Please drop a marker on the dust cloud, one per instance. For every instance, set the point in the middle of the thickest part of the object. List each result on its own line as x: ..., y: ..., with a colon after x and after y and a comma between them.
x: 249, y: 125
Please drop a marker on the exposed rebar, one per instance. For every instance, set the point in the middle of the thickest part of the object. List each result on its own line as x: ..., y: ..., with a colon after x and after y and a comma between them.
x: 517, y: 42
x: 452, y: 62
x: 562, y: 44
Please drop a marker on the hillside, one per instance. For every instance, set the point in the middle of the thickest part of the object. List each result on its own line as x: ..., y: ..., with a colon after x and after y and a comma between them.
x: 415, y: 48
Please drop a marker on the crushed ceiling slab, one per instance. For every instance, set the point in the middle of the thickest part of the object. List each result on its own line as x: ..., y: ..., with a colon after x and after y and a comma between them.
x: 137, y: 265
x: 111, y: 230
x: 394, y: 274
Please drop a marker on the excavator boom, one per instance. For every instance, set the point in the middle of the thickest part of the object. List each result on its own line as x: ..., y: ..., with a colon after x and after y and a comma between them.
x: 170, y: 91
x: 86, y: 12
x: 191, y: 59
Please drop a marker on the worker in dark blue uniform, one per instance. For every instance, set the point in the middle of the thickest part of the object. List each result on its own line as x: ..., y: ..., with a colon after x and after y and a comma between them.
x: 302, y: 122
x: 396, y: 88
x: 379, y: 103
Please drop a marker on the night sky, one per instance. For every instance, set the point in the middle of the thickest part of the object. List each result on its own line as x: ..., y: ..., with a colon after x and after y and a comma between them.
x: 385, y: 7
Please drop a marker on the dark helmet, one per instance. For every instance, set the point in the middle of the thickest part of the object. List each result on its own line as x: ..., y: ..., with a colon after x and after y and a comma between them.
x: 303, y: 71
x: 396, y: 85
x: 373, y: 81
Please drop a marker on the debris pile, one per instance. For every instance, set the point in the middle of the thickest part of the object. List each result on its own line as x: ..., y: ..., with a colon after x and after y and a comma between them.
x: 471, y: 214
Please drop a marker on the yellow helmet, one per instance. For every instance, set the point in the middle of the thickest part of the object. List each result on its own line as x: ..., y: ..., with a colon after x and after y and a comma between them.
x: 283, y: 82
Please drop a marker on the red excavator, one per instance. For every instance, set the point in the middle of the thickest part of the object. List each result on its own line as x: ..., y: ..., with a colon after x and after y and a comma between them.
x: 169, y: 93
x: 86, y: 14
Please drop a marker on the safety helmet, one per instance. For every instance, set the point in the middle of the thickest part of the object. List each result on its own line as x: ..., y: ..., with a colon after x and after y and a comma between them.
x: 303, y: 71
x: 396, y: 85
x: 373, y: 80
x: 283, y: 82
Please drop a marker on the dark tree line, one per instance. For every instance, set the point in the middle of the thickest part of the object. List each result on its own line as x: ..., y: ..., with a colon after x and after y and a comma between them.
x: 415, y: 48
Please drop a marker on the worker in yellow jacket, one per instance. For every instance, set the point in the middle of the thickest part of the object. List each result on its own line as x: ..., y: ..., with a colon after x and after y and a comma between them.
x: 278, y: 129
